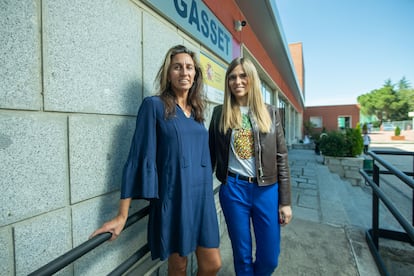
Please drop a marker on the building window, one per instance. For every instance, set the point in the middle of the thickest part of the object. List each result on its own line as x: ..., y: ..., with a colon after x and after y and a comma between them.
x: 316, y: 121
x: 344, y: 122
x: 282, y: 113
x: 266, y: 93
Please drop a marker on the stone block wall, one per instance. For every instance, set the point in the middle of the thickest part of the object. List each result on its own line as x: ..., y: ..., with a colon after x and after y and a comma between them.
x: 72, y: 76
x: 346, y: 167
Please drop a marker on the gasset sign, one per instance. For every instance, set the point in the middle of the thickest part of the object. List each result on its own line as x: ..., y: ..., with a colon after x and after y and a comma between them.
x: 197, y: 19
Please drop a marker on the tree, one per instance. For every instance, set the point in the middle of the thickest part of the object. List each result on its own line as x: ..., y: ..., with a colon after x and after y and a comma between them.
x: 406, y: 93
x: 403, y: 84
x: 388, y: 83
x: 408, y: 96
x: 387, y: 103
x: 377, y: 102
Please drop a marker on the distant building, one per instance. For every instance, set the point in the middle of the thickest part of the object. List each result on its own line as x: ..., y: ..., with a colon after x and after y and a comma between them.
x: 332, y: 117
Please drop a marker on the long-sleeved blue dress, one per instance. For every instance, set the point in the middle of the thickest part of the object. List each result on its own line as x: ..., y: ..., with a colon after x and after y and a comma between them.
x: 169, y: 164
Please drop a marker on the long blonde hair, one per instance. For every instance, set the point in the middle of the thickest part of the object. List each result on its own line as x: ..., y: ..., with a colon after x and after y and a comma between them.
x: 231, y: 116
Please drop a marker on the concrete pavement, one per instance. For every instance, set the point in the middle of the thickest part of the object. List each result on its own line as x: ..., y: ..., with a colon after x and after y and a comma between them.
x: 381, y: 137
x: 327, y: 233
x: 326, y: 236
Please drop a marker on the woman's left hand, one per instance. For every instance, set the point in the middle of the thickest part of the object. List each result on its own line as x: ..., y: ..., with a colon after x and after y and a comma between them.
x: 285, y: 214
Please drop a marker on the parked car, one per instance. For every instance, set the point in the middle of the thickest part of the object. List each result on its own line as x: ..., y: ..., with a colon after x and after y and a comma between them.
x: 387, y: 127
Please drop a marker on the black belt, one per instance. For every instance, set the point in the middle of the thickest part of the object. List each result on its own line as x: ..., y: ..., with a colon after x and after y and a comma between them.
x: 249, y: 179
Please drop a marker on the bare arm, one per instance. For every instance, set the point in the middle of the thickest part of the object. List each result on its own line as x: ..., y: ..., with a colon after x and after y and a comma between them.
x: 117, y: 224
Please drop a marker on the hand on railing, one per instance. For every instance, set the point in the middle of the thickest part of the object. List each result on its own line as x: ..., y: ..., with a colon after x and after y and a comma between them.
x: 117, y: 224
x: 114, y: 226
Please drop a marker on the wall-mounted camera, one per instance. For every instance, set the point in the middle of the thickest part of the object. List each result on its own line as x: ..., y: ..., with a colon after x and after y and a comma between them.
x: 239, y: 24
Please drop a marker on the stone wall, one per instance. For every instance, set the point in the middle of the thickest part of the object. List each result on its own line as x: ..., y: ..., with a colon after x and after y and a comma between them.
x: 71, y: 81
x: 346, y: 167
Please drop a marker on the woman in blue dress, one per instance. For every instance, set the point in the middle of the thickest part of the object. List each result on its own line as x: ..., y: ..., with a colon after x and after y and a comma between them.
x: 169, y: 165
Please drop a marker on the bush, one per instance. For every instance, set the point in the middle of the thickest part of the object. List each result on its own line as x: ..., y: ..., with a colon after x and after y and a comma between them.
x: 333, y: 144
x: 397, y: 131
x: 354, y: 141
x: 342, y: 144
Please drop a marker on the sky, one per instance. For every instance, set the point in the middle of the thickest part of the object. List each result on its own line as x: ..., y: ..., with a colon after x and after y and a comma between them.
x: 350, y: 47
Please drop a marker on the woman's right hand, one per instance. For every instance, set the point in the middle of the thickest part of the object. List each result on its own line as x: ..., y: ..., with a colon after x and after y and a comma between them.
x: 114, y: 226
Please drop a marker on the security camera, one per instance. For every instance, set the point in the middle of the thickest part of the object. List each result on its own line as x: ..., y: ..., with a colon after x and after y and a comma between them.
x: 238, y: 25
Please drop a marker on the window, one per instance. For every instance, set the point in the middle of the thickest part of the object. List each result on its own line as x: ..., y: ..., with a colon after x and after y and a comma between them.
x: 344, y: 122
x: 266, y: 92
x: 316, y: 121
x: 282, y: 113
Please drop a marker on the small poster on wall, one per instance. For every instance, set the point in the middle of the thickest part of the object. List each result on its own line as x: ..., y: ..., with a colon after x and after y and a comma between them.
x: 214, y: 77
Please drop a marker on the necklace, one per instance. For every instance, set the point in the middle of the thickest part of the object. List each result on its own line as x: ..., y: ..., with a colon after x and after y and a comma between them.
x: 186, y: 110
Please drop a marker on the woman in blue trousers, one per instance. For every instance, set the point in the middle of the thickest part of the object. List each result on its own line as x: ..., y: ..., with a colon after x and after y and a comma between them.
x: 249, y: 155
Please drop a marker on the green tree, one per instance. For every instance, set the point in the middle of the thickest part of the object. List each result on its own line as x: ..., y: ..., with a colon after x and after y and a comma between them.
x: 403, y: 84
x: 377, y: 102
x: 406, y: 93
x: 407, y: 96
x: 387, y: 103
x: 388, y: 83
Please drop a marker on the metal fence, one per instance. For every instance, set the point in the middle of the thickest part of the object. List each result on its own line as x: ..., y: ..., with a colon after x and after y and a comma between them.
x: 371, y: 173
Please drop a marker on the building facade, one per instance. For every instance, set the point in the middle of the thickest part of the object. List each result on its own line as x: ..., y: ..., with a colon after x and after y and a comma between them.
x: 72, y: 77
x: 332, y: 117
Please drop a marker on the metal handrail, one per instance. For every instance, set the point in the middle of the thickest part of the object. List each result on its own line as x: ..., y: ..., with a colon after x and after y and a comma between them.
x: 391, y: 207
x: 402, y: 175
x: 122, y: 268
x: 77, y: 252
x: 373, y: 234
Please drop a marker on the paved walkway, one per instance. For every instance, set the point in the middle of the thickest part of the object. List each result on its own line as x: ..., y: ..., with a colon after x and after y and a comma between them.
x: 385, y: 137
x: 327, y: 234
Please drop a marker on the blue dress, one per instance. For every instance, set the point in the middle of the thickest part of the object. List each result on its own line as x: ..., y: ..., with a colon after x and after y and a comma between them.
x: 169, y: 164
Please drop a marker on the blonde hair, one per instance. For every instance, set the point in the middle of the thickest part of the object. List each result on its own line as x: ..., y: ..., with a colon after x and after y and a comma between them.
x: 231, y: 116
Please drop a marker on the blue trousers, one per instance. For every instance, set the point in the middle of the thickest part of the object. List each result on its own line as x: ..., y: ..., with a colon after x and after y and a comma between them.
x: 244, y: 203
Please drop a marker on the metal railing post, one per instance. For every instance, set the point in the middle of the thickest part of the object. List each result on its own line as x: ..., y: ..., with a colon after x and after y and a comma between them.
x: 378, y: 194
x: 375, y: 208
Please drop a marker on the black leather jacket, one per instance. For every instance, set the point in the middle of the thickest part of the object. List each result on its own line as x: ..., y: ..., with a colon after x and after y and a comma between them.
x: 270, y: 152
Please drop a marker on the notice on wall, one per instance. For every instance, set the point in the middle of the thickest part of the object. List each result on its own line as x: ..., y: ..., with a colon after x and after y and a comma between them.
x: 214, y: 78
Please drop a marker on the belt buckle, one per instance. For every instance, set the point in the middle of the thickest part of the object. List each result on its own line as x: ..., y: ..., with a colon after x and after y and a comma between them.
x: 250, y: 179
